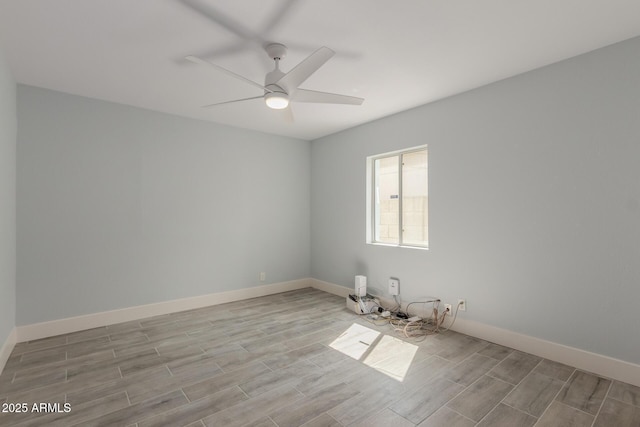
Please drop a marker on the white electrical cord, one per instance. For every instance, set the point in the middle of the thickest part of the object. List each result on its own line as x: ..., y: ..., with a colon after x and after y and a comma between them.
x: 415, y: 328
x: 454, y: 317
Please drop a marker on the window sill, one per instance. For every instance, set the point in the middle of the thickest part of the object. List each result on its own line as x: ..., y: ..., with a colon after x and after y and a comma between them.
x: 390, y: 245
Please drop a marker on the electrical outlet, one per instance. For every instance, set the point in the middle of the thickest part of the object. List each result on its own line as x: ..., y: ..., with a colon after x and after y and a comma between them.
x: 263, y: 276
x: 462, y: 305
x: 447, y: 309
x: 394, y: 286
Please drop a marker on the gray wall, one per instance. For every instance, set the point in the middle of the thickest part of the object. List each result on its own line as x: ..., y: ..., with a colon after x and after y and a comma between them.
x: 7, y: 201
x: 119, y: 206
x: 534, y: 203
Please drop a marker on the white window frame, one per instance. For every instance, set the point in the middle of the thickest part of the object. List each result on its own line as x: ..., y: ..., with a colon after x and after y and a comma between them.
x: 371, y: 198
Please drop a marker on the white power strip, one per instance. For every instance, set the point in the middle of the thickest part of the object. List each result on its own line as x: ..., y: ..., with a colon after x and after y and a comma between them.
x: 362, y: 305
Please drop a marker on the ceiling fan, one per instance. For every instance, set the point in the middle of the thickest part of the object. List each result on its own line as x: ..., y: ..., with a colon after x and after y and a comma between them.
x: 282, y: 88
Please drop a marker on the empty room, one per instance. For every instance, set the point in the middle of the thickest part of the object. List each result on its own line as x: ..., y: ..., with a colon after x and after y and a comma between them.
x: 278, y: 213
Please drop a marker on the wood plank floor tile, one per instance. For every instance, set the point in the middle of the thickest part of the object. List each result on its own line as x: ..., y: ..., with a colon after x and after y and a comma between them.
x: 495, y: 351
x: 70, y: 362
x: 238, y: 415
x: 368, y: 377
x: 384, y: 418
x: 626, y: 393
x: 42, y: 357
x: 267, y: 362
x: 12, y: 364
x: 124, y: 327
x: 417, y: 406
x: 585, y: 392
x: 130, y: 360
x: 25, y: 347
x: 53, y: 391
x: 127, y: 335
x: 330, y: 358
x: 196, y: 410
x: 470, y: 369
x: 262, y: 422
x: 447, y: 417
x: 360, y: 406
x: 134, y: 413
x: 95, y: 376
x: 240, y: 358
x: 323, y: 420
x: 80, y: 395
x: 255, y: 345
x: 285, y: 359
x: 311, y: 406
x: 477, y: 400
x: 325, y: 377
x: 174, y: 329
x: 515, y: 367
x: 534, y: 393
x: 274, y: 379
x: 198, y: 423
x: 323, y: 336
x: 555, y: 370
x: 421, y: 372
x: 506, y: 416
x: 147, y: 388
x: 282, y: 326
x: 87, y: 334
x: 457, y: 347
x: 89, y: 346
x: 28, y: 382
x: 212, y: 385
x: 618, y: 414
x: 135, y: 345
x: 205, y: 362
x: 560, y: 415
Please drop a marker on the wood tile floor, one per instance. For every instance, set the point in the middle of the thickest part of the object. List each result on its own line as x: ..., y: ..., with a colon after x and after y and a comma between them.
x: 269, y: 362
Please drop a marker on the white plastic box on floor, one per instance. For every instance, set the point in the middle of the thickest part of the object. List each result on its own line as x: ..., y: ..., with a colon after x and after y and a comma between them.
x: 361, y: 305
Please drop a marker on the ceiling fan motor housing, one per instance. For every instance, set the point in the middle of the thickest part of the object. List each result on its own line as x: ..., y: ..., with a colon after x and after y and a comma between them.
x: 276, y: 50
x: 271, y: 78
x: 278, y: 97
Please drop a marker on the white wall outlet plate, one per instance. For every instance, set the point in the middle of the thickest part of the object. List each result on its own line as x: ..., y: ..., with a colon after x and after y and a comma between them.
x: 394, y: 286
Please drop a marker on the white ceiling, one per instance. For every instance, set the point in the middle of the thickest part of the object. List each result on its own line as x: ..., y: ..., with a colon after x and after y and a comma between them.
x: 397, y: 54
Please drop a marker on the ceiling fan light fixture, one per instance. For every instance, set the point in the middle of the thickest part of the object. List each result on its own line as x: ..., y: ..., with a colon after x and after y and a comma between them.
x: 277, y: 100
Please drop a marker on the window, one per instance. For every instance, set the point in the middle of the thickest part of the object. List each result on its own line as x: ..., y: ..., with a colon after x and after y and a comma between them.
x: 397, y: 198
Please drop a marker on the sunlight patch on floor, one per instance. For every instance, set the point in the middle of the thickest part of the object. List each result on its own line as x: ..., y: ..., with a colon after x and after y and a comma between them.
x: 389, y: 355
x: 392, y: 357
x: 355, y: 341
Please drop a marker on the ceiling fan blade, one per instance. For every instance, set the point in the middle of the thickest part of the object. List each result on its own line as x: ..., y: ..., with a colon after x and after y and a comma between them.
x: 230, y: 102
x: 303, y: 70
x: 287, y: 114
x: 197, y: 60
x: 223, y: 20
x: 278, y: 15
x: 228, y: 50
x: 305, y: 95
x: 293, y: 46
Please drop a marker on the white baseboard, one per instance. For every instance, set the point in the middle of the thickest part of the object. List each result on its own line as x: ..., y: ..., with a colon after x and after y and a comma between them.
x: 95, y: 320
x: 330, y: 288
x: 7, y: 348
x: 592, y: 362
x: 597, y: 363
